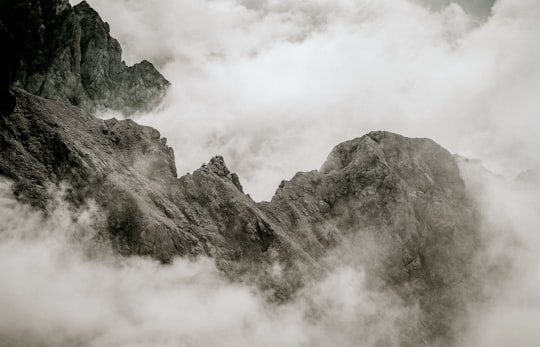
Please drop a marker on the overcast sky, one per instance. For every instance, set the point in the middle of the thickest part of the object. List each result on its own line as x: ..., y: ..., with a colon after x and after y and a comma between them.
x: 274, y: 85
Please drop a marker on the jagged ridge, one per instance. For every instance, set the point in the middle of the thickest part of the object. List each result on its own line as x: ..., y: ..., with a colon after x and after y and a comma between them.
x: 397, y: 205
x: 66, y: 54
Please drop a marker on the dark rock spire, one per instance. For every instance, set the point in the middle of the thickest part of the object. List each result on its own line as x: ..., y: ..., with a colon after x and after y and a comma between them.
x: 66, y: 54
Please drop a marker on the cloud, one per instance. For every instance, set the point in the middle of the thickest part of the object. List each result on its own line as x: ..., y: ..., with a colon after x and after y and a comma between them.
x: 510, y: 260
x: 62, y: 286
x: 274, y: 85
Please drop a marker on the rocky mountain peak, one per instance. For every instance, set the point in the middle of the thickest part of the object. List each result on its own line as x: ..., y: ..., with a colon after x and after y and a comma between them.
x: 66, y: 54
x: 217, y: 166
x: 418, y: 161
x: 394, y: 205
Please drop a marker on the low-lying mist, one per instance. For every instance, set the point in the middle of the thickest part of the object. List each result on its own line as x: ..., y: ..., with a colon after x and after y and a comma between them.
x: 62, y: 286
x: 509, y: 260
x: 273, y: 86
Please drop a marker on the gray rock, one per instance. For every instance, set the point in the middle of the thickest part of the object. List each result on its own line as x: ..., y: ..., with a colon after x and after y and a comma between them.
x: 400, y: 207
x: 66, y: 54
x: 395, y: 206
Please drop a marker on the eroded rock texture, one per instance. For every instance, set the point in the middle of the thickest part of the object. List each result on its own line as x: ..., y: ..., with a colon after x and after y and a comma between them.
x: 396, y: 206
x: 129, y: 170
x: 393, y: 205
x: 66, y: 54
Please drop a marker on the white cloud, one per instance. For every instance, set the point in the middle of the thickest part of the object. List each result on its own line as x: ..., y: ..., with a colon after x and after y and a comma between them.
x: 61, y: 287
x: 510, y: 230
x: 274, y: 85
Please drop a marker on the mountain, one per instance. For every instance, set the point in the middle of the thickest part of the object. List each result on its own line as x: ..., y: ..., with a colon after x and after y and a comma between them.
x: 397, y: 205
x: 66, y: 54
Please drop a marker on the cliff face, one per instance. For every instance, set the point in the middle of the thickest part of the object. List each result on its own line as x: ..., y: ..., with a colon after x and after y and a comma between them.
x: 394, y: 205
x: 66, y: 54
x: 130, y: 172
x: 400, y: 207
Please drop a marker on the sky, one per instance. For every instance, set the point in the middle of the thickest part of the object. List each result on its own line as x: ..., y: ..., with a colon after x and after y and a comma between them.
x: 274, y: 85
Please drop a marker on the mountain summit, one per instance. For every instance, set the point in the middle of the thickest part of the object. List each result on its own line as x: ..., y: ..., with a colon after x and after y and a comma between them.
x: 396, y: 205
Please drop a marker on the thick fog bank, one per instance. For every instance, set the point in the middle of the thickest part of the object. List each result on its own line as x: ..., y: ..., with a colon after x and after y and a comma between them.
x: 510, y: 259
x: 274, y: 85
x: 62, y: 286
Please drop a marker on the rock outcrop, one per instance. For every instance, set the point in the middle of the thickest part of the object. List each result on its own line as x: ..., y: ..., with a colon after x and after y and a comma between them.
x: 66, y: 54
x: 400, y: 207
x: 129, y: 170
x: 394, y: 205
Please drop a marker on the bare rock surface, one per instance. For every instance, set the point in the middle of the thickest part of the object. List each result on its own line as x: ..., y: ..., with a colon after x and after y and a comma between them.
x: 394, y: 205
x: 400, y: 207
x: 66, y: 54
x: 129, y: 171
